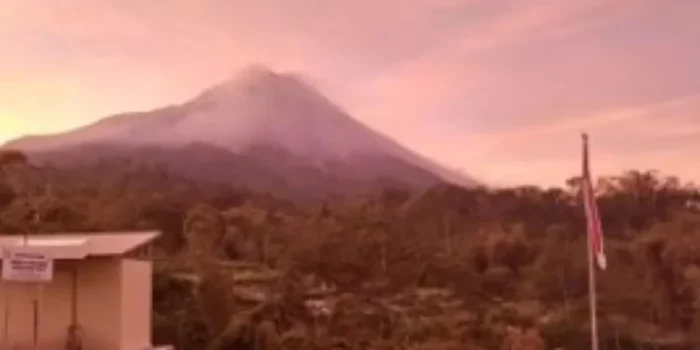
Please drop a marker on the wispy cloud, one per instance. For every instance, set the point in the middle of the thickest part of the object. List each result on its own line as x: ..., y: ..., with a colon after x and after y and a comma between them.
x: 634, y: 118
x: 480, y: 85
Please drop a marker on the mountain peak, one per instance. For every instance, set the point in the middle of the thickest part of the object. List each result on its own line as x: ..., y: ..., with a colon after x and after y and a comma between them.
x: 256, y: 106
x: 250, y: 76
x: 255, y: 73
x: 252, y: 80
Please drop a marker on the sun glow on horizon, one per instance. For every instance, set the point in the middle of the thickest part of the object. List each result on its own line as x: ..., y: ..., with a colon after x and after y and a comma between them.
x: 10, y: 128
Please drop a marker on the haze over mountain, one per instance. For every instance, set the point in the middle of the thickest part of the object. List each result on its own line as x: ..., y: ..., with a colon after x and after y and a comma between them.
x: 260, y: 129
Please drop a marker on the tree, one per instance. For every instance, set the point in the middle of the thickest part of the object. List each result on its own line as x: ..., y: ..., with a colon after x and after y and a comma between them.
x: 442, y: 267
x: 12, y: 158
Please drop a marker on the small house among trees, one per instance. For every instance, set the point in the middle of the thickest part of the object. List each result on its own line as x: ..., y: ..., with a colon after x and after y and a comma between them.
x: 76, y: 291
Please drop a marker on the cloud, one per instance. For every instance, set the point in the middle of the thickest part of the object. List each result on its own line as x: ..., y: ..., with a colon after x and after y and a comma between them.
x: 637, y: 118
x: 481, y: 85
x: 661, y: 135
x: 458, y: 65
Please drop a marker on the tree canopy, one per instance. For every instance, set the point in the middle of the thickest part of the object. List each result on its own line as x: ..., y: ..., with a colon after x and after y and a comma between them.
x: 443, y: 268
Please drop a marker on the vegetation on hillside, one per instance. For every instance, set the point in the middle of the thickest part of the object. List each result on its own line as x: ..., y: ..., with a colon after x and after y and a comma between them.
x: 445, y: 268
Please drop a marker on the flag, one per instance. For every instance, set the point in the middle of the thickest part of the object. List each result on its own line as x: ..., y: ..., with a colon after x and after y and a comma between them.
x: 595, y: 229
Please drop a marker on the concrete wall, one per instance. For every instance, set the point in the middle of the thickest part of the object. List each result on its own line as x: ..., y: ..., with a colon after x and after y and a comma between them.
x: 136, y: 278
x: 55, y: 311
x: 110, y: 298
x: 99, y: 306
x: 16, y: 309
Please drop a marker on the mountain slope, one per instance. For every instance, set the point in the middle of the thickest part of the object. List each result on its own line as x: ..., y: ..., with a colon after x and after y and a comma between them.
x: 259, y: 125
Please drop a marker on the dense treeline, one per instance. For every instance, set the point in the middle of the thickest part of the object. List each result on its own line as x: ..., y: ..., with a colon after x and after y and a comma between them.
x: 443, y: 268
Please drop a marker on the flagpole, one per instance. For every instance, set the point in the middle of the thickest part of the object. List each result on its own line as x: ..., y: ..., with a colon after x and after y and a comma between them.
x: 591, y: 264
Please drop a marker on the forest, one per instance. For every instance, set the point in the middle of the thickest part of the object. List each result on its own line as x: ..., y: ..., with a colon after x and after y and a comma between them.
x: 441, y: 268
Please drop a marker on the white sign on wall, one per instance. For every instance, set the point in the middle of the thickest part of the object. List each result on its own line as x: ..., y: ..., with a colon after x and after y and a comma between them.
x: 25, y: 265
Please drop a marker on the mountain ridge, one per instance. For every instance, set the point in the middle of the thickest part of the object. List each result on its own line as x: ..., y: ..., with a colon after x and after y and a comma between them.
x: 256, y: 107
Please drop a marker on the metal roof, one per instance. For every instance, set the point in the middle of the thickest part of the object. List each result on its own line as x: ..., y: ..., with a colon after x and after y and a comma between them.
x: 82, y: 245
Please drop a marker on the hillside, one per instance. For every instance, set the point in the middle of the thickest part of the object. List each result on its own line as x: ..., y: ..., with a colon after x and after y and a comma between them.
x: 444, y: 268
x: 262, y: 130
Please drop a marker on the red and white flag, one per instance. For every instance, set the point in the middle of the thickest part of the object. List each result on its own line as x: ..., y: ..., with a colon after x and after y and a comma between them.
x: 595, y: 229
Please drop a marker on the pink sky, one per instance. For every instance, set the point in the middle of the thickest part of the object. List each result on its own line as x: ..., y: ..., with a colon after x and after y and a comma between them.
x: 500, y: 89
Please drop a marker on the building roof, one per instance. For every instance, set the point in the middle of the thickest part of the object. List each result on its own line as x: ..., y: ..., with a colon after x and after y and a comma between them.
x: 81, y: 245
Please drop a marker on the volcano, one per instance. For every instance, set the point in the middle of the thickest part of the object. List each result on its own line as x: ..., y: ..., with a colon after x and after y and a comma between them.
x: 264, y: 130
